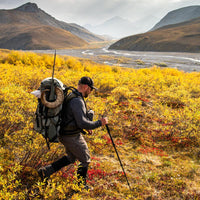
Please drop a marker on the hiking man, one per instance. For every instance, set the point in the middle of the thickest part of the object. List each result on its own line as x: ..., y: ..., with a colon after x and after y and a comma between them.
x: 75, y: 118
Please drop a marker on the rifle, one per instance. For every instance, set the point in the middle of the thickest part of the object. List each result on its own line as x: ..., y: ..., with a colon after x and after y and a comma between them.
x: 52, y: 95
x: 52, y: 91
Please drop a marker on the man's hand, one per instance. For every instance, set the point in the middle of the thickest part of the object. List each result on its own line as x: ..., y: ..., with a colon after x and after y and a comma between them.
x: 104, y: 121
x: 89, y: 132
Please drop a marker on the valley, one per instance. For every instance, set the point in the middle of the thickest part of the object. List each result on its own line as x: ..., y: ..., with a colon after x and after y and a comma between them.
x: 187, y: 62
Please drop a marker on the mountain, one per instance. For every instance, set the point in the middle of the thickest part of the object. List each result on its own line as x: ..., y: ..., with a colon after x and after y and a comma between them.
x: 118, y: 27
x: 24, y: 37
x: 182, y: 37
x: 178, y: 16
x: 29, y: 27
x: 113, y: 27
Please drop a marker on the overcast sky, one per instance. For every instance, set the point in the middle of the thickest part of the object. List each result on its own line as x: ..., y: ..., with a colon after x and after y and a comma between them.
x: 97, y: 11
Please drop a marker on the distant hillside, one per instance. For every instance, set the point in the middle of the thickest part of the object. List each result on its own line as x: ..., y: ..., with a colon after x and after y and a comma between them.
x: 178, y: 16
x: 118, y: 27
x: 24, y: 37
x: 182, y: 37
x: 29, y: 27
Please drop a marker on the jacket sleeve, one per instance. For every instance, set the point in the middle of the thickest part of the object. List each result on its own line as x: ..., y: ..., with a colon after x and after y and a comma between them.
x: 79, y: 112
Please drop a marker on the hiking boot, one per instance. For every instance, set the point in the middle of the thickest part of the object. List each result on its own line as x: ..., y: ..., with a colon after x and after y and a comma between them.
x: 45, y: 172
x: 82, y: 174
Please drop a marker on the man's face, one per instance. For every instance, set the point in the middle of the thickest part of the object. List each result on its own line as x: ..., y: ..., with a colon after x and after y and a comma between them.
x: 88, y: 90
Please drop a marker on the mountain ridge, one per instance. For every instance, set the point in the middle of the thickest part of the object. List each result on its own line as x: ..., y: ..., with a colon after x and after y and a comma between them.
x: 180, y: 37
x: 31, y: 16
x: 28, y: 7
x: 179, y: 15
x: 37, y: 38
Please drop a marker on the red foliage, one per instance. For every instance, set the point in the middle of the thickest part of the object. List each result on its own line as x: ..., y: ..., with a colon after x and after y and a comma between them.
x: 156, y: 151
x: 118, y: 142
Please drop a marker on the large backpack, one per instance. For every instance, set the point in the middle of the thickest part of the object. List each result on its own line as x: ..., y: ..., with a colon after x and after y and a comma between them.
x: 48, y: 112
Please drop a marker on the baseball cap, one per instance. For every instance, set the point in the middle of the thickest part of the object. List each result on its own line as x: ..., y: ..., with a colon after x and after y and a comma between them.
x: 87, y: 81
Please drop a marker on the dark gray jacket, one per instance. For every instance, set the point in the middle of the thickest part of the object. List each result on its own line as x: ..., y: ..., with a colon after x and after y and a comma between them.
x: 75, y: 116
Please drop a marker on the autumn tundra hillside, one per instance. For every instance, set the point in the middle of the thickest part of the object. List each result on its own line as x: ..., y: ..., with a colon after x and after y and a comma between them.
x: 154, y: 119
x: 182, y: 37
x: 37, y: 37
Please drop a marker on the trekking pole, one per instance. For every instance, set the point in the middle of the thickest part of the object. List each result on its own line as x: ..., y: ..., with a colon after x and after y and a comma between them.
x: 108, y: 130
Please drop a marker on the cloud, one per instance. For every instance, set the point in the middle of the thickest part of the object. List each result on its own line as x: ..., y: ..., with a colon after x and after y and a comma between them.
x: 9, y: 4
x: 97, y: 11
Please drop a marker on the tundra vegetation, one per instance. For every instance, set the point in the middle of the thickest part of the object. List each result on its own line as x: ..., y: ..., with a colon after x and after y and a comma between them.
x: 154, y: 118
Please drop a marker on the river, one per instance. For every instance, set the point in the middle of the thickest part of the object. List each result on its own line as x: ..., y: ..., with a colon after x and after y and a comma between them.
x: 187, y: 62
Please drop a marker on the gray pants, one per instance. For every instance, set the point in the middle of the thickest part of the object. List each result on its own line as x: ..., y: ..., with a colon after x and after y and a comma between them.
x: 76, y: 149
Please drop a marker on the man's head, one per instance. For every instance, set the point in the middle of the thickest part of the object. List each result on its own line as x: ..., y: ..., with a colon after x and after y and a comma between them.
x: 85, y: 86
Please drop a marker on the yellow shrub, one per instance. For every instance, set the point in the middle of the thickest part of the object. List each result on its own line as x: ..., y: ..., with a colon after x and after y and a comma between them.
x: 121, y: 93
x: 153, y: 113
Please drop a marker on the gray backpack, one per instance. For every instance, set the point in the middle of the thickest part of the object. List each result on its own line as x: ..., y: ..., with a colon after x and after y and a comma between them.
x: 48, y: 112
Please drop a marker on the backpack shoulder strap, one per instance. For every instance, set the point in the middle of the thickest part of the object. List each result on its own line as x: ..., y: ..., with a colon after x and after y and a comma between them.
x: 73, y: 94
x: 70, y: 96
x: 67, y: 99
x: 76, y: 94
